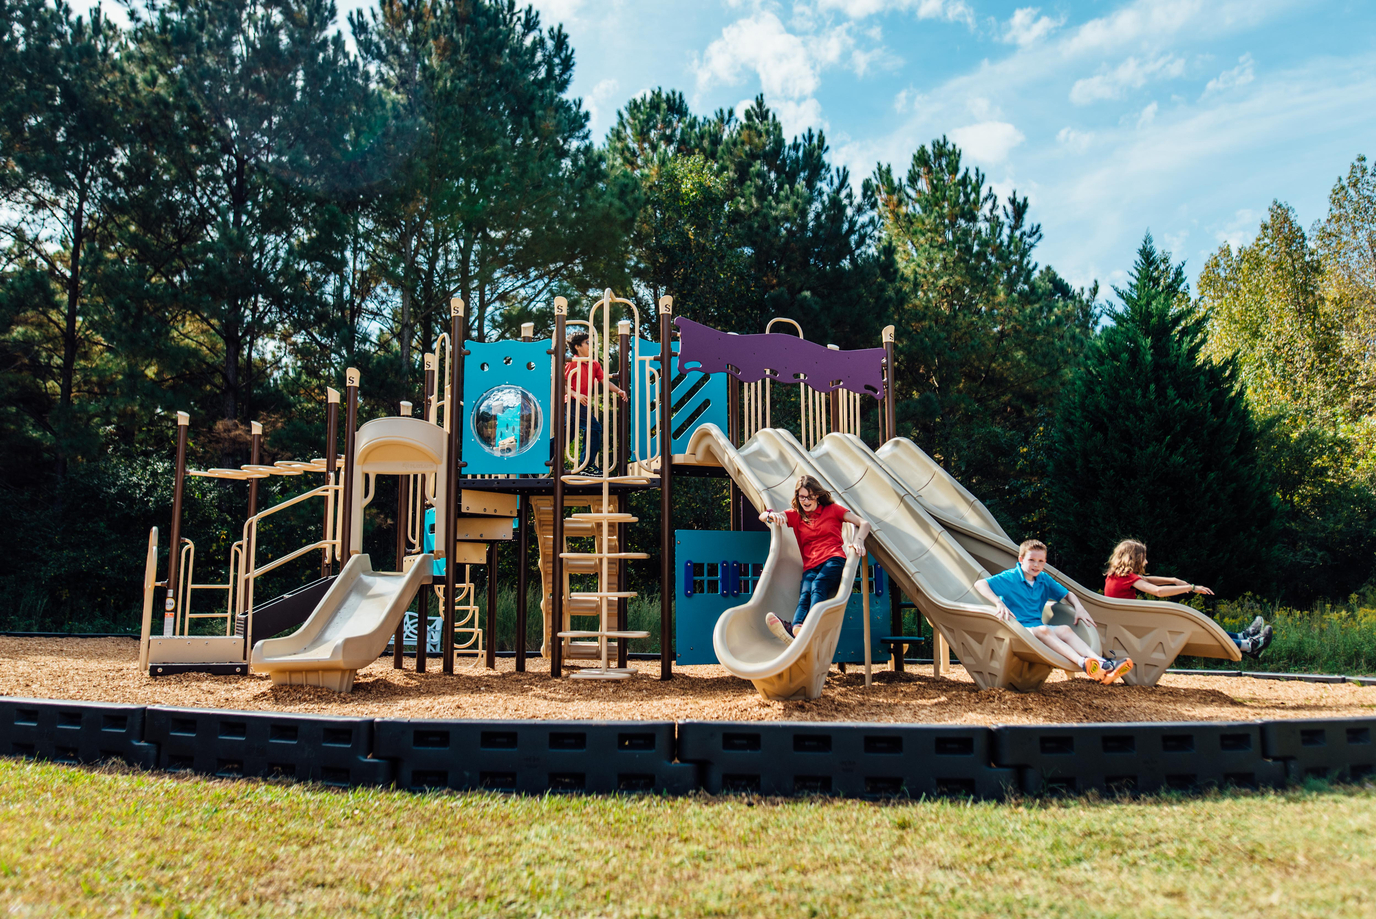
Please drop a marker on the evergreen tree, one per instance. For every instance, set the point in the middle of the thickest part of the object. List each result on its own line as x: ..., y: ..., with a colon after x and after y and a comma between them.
x: 1156, y: 443
x: 985, y: 340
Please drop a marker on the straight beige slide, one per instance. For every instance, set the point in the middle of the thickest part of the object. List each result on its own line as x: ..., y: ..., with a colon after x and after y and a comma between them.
x: 348, y: 629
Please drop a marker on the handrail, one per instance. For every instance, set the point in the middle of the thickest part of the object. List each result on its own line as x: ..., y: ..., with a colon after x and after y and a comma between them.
x: 150, y: 581
x: 250, y: 570
x: 188, y: 561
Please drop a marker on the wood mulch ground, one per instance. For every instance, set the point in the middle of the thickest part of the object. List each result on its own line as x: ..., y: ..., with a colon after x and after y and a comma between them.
x: 106, y: 669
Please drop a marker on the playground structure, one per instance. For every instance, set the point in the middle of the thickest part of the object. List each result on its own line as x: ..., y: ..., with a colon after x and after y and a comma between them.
x: 503, y: 447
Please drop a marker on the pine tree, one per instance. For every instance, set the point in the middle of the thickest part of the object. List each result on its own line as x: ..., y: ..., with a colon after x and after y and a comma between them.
x: 1155, y: 442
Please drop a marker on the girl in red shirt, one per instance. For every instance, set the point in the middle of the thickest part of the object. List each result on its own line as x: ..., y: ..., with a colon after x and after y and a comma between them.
x: 1127, y: 573
x: 816, y: 521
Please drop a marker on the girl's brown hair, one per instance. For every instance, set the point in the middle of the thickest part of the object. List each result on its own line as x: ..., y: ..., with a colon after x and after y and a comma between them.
x: 1129, y: 557
x: 815, y: 488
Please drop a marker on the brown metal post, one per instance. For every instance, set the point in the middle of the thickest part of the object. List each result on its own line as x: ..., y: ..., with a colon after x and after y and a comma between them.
x: 174, y: 553
x: 522, y: 552
x: 623, y: 458
x: 522, y: 579
x: 422, y: 626
x: 331, y: 460
x: 896, y: 623
x: 890, y: 398
x: 556, y: 468
x: 666, y: 480
x: 491, y: 627
x: 454, y: 415
x: 255, y: 457
x: 346, y: 523
x: 403, y: 518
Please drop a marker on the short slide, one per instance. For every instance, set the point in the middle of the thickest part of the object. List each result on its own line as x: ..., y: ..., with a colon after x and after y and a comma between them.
x: 348, y: 630
x: 1151, y: 632
x: 766, y: 472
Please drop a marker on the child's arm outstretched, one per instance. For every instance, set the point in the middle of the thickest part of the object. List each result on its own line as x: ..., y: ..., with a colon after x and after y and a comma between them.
x: 1167, y: 587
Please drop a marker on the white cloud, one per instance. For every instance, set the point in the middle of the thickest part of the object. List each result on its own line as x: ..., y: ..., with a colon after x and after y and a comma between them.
x: 988, y: 141
x: 949, y: 10
x: 554, y: 12
x: 762, y: 44
x: 1073, y: 140
x: 794, y: 116
x: 601, y: 94
x: 1147, y: 116
x: 1131, y: 74
x: 1025, y: 27
x: 1242, y: 229
x: 1240, y: 75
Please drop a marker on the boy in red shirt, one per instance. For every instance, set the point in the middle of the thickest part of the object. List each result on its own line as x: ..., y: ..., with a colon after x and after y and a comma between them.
x: 580, y: 376
x: 816, y: 521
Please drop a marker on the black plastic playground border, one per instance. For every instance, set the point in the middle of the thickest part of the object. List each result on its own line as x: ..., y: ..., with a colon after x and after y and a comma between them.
x: 853, y: 760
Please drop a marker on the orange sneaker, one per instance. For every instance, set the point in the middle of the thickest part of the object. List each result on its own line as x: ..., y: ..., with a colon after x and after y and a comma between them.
x: 1117, y: 671
x: 1093, y: 669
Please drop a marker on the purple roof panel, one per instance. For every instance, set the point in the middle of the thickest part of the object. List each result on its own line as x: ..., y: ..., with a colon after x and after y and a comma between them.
x: 779, y: 357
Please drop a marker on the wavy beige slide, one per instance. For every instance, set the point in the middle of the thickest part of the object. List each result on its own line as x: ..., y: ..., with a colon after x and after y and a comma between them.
x: 926, y: 562
x: 766, y: 472
x: 349, y: 628
x: 1151, y: 632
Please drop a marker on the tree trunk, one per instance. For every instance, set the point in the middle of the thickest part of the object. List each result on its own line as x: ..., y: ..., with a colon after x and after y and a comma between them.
x: 67, y: 383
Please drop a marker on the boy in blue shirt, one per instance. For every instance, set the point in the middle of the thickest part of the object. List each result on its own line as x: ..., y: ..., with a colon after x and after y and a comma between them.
x: 1020, y: 593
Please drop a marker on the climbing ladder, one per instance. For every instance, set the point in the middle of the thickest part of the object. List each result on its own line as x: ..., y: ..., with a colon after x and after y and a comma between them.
x: 598, y: 522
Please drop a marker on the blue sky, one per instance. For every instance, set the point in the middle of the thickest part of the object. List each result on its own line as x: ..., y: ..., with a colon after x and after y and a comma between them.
x: 1179, y: 116
x: 1184, y: 117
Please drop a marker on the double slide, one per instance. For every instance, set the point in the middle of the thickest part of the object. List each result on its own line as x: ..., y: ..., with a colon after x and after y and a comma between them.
x: 935, y: 540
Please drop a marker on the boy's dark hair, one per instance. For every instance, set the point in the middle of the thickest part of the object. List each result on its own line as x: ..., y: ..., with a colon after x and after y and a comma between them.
x: 576, y: 340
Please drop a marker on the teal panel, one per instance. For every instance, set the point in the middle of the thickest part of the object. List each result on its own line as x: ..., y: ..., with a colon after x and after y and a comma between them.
x: 506, y: 425
x: 697, y: 399
x: 725, y: 565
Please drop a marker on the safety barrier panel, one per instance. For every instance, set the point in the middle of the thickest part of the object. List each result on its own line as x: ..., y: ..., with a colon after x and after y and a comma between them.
x: 851, y: 760
x: 1146, y: 757
x: 74, y: 732
x: 1338, y: 749
x: 535, y: 756
x: 769, y: 758
x: 230, y: 744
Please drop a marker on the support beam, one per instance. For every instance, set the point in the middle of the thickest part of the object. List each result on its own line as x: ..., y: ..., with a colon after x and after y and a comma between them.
x: 255, y: 457
x: 328, y: 556
x: 666, y: 488
x: 174, y: 553
x: 453, y: 462
x: 624, y: 379
x: 890, y: 396
x: 556, y: 595
x: 523, y: 553
x: 346, y: 523
x: 490, y: 629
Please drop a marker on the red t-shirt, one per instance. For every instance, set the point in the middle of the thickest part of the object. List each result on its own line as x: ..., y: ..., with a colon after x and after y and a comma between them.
x: 1120, y: 586
x: 581, y: 377
x: 820, y: 537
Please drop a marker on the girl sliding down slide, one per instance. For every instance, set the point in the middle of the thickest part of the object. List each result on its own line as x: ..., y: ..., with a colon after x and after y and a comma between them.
x: 1127, y: 572
x: 816, y: 521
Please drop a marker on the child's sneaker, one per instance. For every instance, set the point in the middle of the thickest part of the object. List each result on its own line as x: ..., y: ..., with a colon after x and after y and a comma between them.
x: 1263, y: 640
x: 1094, y: 668
x: 1255, y: 628
x: 777, y: 626
x: 1119, y: 670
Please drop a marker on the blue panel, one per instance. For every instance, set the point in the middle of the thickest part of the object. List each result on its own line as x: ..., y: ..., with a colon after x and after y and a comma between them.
x: 698, y: 399
x: 502, y: 434
x: 711, y: 586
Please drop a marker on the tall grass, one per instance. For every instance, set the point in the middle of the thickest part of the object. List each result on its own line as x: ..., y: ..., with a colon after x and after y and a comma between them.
x: 1329, y: 638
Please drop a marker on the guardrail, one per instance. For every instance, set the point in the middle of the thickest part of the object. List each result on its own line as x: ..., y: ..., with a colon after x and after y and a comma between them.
x: 881, y: 760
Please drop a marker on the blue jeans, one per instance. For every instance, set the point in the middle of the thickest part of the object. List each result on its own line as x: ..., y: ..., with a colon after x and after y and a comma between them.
x: 819, y: 584
x: 592, y: 432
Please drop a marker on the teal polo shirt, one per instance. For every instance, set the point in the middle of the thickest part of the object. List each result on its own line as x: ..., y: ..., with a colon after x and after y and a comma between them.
x: 1025, y: 600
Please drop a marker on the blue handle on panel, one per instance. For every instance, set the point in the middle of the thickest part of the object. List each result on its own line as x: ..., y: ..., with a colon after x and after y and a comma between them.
x: 724, y: 579
x: 735, y: 579
x: 688, y: 578
x: 878, y: 581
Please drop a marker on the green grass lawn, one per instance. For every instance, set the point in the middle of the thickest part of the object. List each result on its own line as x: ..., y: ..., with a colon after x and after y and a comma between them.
x: 83, y: 842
